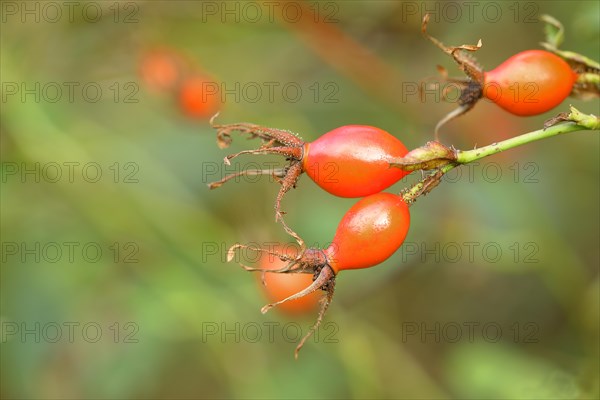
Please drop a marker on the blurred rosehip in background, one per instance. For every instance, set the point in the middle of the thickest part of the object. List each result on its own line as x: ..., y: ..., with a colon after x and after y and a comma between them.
x: 280, y: 286
x: 160, y: 69
x: 199, y: 97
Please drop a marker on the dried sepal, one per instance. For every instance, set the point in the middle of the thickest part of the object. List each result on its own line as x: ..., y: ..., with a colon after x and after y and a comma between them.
x: 306, y: 261
x: 275, y: 173
x: 471, y: 89
x: 457, y: 112
x: 311, y: 261
x: 292, y: 261
x: 324, y: 280
x: 274, y: 141
x: 329, y: 288
x: 465, y: 61
x: 269, y: 136
x: 321, y: 279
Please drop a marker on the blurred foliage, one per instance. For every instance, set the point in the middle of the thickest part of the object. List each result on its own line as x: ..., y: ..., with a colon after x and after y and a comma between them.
x: 179, y: 285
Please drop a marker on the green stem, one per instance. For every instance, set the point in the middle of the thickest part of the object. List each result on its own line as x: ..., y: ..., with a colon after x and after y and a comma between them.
x: 464, y: 157
x: 584, y: 122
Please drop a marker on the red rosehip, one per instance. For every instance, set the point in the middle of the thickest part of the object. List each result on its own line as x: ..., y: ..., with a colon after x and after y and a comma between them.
x: 350, y: 161
x: 353, y: 160
x: 530, y: 82
x: 369, y: 233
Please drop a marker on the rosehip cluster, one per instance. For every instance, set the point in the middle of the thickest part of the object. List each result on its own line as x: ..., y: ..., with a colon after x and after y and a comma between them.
x: 362, y: 160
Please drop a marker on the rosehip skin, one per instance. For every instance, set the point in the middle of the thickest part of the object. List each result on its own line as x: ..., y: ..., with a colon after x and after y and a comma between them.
x: 529, y: 83
x: 353, y: 160
x: 369, y: 233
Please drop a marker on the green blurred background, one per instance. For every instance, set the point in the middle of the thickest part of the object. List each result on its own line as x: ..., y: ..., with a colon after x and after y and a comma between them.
x: 139, y: 319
